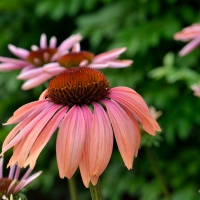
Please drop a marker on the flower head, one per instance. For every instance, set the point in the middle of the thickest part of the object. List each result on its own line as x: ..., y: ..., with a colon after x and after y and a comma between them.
x: 88, y: 113
x: 34, y: 59
x: 190, y: 33
x: 12, y: 185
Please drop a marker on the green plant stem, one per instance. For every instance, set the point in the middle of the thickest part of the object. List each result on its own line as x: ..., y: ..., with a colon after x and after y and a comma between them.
x: 72, y: 189
x: 157, y: 172
x: 95, y: 191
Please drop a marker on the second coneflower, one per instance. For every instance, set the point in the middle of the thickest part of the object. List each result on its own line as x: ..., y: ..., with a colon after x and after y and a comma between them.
x: 88, y: 114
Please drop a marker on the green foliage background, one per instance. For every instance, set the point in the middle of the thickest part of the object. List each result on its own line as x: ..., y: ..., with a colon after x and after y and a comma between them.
x: 146, y: 28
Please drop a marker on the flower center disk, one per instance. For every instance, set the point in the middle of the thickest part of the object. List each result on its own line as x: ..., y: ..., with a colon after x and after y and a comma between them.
x: 4, y: 185
x: 73, y: 59
x: 78, y: 86
x: 41, y: 56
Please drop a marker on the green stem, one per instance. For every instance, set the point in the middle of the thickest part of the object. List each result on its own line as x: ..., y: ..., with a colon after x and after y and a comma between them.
x: 95, y: 191
x: 157, y: 172
x: 72, y: 189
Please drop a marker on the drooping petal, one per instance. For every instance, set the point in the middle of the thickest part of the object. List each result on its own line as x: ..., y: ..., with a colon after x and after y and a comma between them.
x: 124, y: 132
x: 136, y: 129
x: 109, y: 55
x: 45, y: 136
x: 101, y: 141
x: 16, y: 150
x: 70, y: 142
x: 22, y: 112
x: 84, y: 163
x: 133, y: 101
x: 94, y: 179
x: 34, y: 133
x: 25, y: 127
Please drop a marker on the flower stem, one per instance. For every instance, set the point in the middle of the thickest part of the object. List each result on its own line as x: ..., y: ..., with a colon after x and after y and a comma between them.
x: 158, y: 173
x: 95, y: 191
x: 72, y: 189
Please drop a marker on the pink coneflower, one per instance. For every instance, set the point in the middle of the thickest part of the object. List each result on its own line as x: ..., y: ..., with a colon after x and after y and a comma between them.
x: 88, y: 113
x: 12, y: 185
x: 76, y: 58
x: 196, y: 89
x: 36, y: 58
x: 190, y: 33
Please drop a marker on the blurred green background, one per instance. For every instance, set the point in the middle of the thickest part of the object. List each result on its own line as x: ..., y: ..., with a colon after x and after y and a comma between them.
x: 168, y: 165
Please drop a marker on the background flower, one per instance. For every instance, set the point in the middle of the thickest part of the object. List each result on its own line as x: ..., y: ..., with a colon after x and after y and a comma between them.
x: 190, y: 33
x: 12, y: 185
x: 31, y: 62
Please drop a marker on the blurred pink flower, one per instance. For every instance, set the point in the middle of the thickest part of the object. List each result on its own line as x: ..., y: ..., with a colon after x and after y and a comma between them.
x: 196, y: 89
x: 190, y: 33
x: 12, y: 185
x: 34, y: 59
x: 87, y: 112
x: 76, y: 58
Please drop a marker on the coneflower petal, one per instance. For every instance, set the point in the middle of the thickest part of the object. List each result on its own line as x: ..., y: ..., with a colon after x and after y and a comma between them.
x: 53, y: 41
x: 136, y: 128
x: 123, y: 130
x: 43, y: 41
x: 34, y: 133
x: 133, y: 101
x: 101, y: 144
x: 33, y: 82
x: 19, y: 52
x: 70, y: 142
x: 109, y: 55
x: 9, y: 66
x: 69, y: 42
x: 84, y: 163
x: 190, y: 46
x: 29, y: 126
x: 21, y: 113
x: 98, y: 65
x: 23, y: 63
x: 16, y: 150
x: 119, y: 63
x: 30, y: 73
x: 45, y: 136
